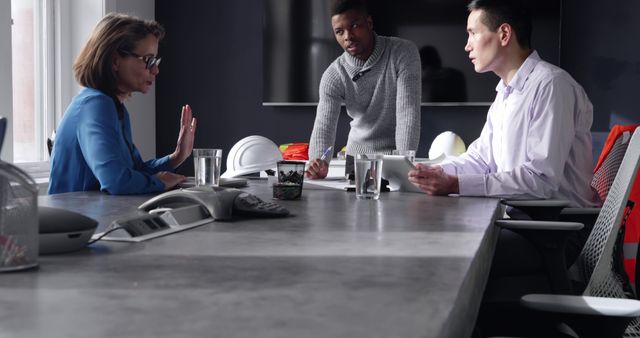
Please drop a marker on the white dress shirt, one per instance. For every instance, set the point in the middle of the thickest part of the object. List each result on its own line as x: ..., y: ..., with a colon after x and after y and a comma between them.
x: 536, y: 143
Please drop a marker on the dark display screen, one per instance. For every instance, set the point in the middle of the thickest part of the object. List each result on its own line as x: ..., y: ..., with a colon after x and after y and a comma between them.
x: 299, y: 45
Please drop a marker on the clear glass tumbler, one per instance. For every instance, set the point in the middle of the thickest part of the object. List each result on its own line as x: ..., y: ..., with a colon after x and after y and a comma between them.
x: 368, y: 172
x: 206, y: 164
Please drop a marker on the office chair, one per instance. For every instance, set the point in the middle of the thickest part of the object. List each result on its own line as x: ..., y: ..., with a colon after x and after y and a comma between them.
x: 50, y: 140
x: 605, y: 308
x: 608, y: 167
x: 603, y: 177
x: 503, y: 293
x: 555, y: 210
x: 3, y: 130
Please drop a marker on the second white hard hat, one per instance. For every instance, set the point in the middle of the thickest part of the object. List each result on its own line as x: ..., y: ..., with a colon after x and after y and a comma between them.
x: 252, y: 154
x: 448, y: 144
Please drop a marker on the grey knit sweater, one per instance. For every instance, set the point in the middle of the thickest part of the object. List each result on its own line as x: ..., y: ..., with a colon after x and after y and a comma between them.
x: 381, y: 94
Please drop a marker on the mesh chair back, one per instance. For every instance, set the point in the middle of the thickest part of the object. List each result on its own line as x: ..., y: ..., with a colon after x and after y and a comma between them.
x: 596, y: 261
x: 604, y: 176
x: 3, y: 129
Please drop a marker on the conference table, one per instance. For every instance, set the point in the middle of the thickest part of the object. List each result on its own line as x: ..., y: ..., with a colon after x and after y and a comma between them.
x: 406, y: 265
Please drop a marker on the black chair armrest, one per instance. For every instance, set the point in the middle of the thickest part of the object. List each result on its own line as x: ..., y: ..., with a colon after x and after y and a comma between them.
x: 550, y: 239
x: 586, y: 216
x: 538, y: 225
x: 544, y: 210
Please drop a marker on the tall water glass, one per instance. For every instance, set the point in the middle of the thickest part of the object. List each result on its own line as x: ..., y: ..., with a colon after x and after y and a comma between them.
x: 206, y: 164
x: 368, y: 171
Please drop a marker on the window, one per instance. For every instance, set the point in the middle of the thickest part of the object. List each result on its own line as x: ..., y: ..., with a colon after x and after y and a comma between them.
x: 39, y: 40
x: 31, y: 47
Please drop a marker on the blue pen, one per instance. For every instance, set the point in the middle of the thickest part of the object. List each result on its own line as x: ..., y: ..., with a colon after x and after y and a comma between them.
x: 326, y: 153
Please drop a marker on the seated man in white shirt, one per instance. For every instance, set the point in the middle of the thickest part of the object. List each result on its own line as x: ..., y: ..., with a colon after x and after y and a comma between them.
x: 536, y: 142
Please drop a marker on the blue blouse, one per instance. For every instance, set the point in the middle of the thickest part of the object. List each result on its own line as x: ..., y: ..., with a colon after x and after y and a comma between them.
x: 93, y: 150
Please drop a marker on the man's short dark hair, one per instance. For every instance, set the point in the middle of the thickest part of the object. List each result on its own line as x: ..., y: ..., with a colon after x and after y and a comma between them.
x: 341, y: 6
x: 513, y: 12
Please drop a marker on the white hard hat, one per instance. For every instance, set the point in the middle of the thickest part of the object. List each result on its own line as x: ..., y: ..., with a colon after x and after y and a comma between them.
x: 448, y: 144
x: 252, y: 154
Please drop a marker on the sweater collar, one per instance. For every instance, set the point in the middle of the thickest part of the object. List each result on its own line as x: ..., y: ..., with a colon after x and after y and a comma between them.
x: 359, y: 65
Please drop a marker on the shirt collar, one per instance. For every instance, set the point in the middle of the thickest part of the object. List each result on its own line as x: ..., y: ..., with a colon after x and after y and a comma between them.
x: 518, y: 81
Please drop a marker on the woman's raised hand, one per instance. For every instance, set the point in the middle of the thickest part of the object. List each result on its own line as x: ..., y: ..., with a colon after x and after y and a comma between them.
x: 187, y: 134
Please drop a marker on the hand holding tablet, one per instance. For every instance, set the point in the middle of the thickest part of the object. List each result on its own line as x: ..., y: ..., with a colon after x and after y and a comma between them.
x: 395, y: 168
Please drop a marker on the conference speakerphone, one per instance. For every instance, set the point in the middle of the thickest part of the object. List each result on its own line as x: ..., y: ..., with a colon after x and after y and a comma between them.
x: 183, y: 209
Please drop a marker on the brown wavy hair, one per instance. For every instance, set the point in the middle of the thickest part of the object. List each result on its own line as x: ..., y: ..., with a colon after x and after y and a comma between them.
x: 115, y: 33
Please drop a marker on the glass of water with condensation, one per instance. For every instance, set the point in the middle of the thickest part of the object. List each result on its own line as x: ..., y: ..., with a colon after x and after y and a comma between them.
x: 368, y: 171
x: 206, y: 164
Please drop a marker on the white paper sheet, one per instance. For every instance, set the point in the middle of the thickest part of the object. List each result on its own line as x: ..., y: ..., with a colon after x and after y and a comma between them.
x: 327, y: 184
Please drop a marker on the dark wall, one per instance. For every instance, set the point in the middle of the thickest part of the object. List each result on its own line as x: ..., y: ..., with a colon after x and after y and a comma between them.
x: 600, y: 49
x: 212, y: 59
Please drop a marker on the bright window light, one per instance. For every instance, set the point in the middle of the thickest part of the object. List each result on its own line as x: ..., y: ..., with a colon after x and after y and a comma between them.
x: 29, y: 73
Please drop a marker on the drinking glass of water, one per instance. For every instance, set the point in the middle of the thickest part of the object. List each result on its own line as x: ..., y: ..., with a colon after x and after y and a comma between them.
x: 206, y: 164
x: 368, y: 171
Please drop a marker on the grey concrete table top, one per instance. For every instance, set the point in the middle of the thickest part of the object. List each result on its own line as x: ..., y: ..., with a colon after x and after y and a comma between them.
x: 407, y: 265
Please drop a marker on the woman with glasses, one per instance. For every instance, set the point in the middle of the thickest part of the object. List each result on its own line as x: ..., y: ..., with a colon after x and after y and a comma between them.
x: 93, y: 149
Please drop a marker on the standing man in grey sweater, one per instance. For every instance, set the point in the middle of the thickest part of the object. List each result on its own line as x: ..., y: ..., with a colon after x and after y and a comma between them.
x: 378, y: 80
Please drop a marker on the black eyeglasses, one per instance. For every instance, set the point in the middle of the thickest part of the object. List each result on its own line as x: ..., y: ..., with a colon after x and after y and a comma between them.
x: 149, y: 61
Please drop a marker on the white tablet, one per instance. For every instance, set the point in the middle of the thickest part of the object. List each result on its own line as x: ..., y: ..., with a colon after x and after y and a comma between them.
x: 395, y: 168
